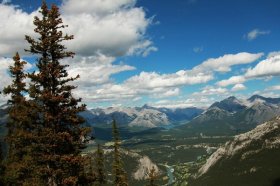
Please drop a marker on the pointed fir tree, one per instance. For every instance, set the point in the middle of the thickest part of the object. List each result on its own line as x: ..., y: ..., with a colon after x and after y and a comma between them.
x: 119, y: 174
x: 152, y: 177
x: 18, y: 167
x: 17, y: 103
x: 59, y: 134
x: 99, y: 167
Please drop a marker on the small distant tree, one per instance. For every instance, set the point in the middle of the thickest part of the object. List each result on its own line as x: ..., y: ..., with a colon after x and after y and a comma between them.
x: 99, y: 166
x: 153, y: 177
x: 120, y: 178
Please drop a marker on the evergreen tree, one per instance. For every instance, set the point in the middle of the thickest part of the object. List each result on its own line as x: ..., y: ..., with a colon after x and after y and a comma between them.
x: 99, y: 166
x: 152, y: 177
x: 119, y: 174
x: 58, y: 135
x: 18, y: 166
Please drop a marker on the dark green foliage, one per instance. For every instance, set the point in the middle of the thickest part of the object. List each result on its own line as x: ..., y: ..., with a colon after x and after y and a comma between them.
x: 119, y: 174
x: 99, y: 167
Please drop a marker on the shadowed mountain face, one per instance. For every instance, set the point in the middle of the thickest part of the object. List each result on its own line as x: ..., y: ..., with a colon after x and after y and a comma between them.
x: 250, y: 159
x: 231, y: 104
x: 233, y: 116
x: 181, y: 114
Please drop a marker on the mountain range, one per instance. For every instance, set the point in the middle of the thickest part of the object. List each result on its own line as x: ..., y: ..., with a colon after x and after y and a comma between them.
x: 233, y: 116
x: 229, y: 116
x: 146, y: 116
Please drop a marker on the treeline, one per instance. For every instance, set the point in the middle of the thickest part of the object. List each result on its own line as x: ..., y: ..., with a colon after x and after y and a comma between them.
x: 46, y: 135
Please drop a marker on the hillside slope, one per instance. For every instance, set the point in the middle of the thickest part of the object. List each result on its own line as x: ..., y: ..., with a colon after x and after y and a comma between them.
x: 252, y: 158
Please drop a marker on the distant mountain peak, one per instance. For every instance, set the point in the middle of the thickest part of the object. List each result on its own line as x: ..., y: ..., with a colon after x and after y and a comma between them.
x: 231, y: 98
x: 254, y: 97
x: 146, y: 106
x: 230, y: 104
x: 258, y: 99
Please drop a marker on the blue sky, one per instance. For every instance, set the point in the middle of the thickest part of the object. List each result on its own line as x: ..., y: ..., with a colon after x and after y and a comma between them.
x: 175, y: 53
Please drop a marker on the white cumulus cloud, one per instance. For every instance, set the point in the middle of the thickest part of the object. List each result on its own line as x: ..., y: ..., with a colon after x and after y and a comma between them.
x: 117, y: 33
x: 155, y: 80
x: 272, y: 54
x: 200, y: 102
x: 267, y: 67
x: 111, y: 27
x: 210, y: 90
x: 224, y: 63
x: 99, y: 7
x: 14, y: 24
x: 103, y: 30
x: 145, y: 84
x: 231, y: 81
x: 238, y: 87
x: 94, y: 70
x: 159, y: 85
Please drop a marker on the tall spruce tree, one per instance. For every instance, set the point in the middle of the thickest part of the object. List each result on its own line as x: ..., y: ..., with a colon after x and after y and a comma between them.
x: 59, y: 135
x: 119, y: 174
x: 99, y: 166
x: 18, y: 166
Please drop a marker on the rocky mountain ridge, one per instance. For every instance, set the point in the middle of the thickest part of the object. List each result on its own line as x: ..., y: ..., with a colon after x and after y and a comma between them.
x: 233, y: 116
x: 146, y: 116
x: 251, y: 158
